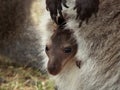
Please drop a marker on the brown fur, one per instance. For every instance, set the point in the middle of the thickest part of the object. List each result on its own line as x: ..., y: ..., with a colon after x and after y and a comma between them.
x: 58, y: 50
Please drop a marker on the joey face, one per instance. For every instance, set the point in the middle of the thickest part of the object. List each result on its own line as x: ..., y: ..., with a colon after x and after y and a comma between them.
x: 60, y: 50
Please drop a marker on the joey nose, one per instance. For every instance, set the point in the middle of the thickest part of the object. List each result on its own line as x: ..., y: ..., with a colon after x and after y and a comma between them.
x: 54, y: 69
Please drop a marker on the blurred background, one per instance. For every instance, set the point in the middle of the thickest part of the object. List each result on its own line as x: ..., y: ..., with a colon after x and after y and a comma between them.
x: 20, y: 46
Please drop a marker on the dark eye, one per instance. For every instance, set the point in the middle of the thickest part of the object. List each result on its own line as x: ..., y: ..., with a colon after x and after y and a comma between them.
x: 46, y: 49
x: 67, y: 50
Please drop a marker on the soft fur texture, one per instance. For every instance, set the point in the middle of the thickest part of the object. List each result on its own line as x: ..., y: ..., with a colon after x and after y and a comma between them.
x: 98, y: 50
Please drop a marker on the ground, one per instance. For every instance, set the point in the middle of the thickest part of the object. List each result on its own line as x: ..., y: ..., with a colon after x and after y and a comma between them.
x: 13, y: 77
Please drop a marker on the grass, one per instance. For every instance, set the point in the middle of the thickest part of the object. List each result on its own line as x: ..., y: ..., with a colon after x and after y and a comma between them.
x: 21, y: 78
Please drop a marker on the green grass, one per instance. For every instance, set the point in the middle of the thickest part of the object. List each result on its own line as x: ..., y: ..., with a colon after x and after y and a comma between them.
x: 21, y: 78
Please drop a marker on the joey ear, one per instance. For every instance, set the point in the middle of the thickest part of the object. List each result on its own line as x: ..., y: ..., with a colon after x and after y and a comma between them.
x: 60, y: 24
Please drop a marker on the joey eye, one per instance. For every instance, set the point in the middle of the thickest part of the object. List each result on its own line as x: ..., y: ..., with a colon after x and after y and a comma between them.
x: 67, y: 50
